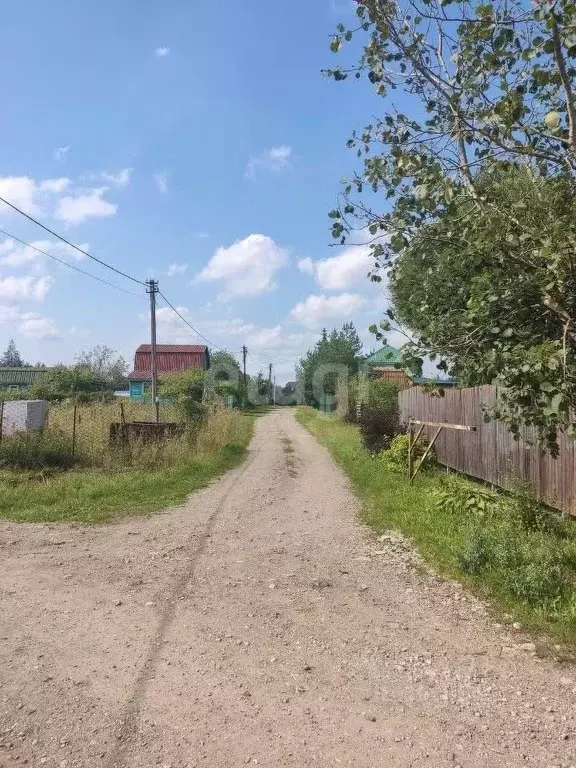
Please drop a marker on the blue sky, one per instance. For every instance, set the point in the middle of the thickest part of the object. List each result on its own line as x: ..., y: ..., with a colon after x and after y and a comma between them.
x: 194, y: 142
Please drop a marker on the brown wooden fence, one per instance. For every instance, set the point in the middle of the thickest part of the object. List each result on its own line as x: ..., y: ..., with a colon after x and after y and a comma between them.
x: 491, y: 453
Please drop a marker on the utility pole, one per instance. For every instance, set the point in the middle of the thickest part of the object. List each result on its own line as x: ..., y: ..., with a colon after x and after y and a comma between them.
x: 244, y: 353
x: 269, y: 383
x: 274, y: 392
x: 152, y: 290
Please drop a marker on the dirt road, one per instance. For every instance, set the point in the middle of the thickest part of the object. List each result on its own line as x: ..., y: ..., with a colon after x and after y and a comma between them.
x: 260, y: 625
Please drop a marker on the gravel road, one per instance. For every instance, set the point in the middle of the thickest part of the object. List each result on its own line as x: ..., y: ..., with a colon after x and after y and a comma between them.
x: 260, y: 624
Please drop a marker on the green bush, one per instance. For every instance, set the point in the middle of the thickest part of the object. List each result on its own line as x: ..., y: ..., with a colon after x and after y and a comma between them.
x: 382, y: 394
x: 185, y: 390
x: 376, y: 394
x: 539, y: 580
x: 378, y: 426
x: 475, y: 555
x: 459, y: 496
x: 396, y: 456
x: 36, y: 450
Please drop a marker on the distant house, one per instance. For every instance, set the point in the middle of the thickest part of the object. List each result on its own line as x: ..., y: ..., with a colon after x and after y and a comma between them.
x: 169, y: 358
x: 20, y: 379
x: 386, y: 364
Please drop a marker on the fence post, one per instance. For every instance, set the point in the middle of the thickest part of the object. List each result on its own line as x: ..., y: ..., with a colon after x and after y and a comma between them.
x: 74, y: 431
x: 1, y: 419
x: 410, y: 451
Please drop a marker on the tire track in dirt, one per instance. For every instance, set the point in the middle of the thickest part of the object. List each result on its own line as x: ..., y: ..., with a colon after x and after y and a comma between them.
x: 117, y: 757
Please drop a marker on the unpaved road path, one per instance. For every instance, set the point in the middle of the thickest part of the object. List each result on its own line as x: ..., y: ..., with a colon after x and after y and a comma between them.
x: 259, y: 624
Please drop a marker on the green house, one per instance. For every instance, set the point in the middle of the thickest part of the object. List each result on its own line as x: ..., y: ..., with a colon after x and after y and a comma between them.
x: 386, y: 363
x: 20, y: 379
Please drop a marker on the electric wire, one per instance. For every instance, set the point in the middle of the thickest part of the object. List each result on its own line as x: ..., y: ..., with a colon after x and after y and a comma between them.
x: 67, y: 264
x: 63, y: 239
x: 195, y: 330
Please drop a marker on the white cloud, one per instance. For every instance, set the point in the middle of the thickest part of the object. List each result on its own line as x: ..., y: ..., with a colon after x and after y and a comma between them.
x: 74, y: 210
x: 306, y: 266
x: 13, y: 254
x: 20, y: 190
x: 200, y: 235
x: 45, y: 197
x: 265, y: 338
x: 17, y: 288
x: 61, y: 153
x: 54, y: 186
x: 30, y: 324
x: 176, y: 269
x: 120, y: 179
x: 342, y: 271
x: 37, y: 326
x: 316, y: 310
x: 248, y: 267
x: 274, y: 159
x: 161, y: 179
x: 161, y: 52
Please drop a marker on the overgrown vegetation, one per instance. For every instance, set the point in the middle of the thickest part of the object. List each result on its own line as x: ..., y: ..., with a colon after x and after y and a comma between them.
x: 37, y: 450
x: 154, y: 475
x: 506, y: 547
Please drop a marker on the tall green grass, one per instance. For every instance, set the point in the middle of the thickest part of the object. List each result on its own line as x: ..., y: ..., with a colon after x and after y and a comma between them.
x: 505, y: 547
x: 175, y: 468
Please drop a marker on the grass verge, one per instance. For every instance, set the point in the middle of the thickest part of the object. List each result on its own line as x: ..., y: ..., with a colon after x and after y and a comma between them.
x: 96, y: 495
x: 526, y: 572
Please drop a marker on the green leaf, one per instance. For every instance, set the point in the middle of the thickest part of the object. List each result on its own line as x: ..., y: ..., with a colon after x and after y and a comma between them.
x: 546, y: 386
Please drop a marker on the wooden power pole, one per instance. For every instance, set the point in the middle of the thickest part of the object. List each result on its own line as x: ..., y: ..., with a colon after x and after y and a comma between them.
x: 269, y: 383
x: 152, y: 290
x: 244, y: 353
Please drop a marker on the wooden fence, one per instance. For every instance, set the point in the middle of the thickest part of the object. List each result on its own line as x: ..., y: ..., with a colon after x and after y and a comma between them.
x: 491, y: 453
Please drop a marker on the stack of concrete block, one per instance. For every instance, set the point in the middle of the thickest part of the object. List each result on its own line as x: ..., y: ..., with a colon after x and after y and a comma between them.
x: 24, y: 416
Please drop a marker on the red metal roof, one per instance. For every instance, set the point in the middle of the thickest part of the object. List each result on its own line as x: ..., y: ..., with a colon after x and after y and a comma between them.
x: 172, y: 348
x: 169, y: 357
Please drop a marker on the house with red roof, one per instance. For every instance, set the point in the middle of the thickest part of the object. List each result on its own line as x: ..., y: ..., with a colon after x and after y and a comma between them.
x: 169, y: 358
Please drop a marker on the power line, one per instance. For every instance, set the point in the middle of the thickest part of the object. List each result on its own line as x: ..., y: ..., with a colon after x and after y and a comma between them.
x: 267, y: 357
x: 67, y: 264
x: 63, y: 239
x: 197, y: 332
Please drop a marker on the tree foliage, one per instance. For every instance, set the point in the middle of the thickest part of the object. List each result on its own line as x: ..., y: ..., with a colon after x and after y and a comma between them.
x: 484, y: 86
x: 223, y: 366
x: 476, y: 290
x: 77, y: 383
x: 11, y: 357
x: 185, y: 390
x: 317, y: 372
x: 106, y: 364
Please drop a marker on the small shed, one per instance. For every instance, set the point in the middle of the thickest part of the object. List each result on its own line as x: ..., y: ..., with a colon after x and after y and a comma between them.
x: 20, y: 379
